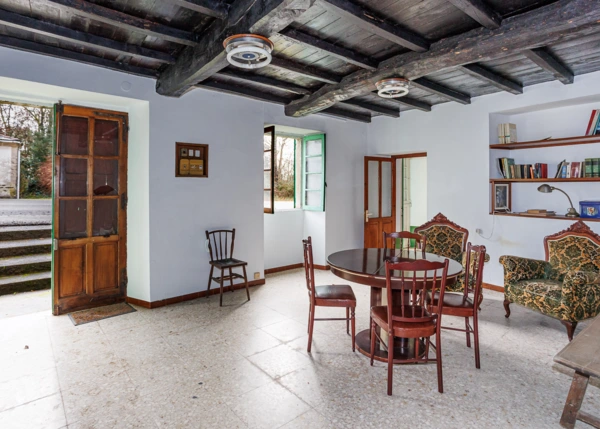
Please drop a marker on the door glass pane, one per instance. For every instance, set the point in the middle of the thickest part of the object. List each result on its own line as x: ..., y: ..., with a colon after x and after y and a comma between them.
x: 106, y: 177
x: 73, y: 177
x: 314, y: 181
x: 313, y: 147
x: 74, y: 136
x: 267, y: 199
x: 313, y: 165
x: 386, y: 189
x: 267, y: 179
x: 373, y: 190
x: 313, y: 198
x: 267, y: 159
x: 105, y: 217
x: 106, y: 138
x: 73, y: 218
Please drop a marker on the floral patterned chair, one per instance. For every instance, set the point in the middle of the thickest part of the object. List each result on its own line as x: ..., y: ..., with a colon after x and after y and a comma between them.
x: 566, y: 285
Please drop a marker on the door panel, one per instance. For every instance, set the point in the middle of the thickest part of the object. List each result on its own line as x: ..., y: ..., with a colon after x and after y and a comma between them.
x: 379, y: 200
x: 90, y: 208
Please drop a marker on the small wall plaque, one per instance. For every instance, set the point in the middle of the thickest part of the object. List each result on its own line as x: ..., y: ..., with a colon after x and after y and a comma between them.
x: 191, y: 160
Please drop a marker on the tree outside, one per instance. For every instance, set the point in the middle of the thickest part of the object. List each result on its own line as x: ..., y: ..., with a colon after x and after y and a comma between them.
x: 284, y: 168
x: 32, y: 125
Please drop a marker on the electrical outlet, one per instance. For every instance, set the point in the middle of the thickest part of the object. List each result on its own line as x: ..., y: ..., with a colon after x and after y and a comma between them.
x: 479, y: 231
x: 256, y: 276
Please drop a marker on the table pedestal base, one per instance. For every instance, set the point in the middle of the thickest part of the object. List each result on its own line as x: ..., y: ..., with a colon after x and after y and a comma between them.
x: 404, y: 348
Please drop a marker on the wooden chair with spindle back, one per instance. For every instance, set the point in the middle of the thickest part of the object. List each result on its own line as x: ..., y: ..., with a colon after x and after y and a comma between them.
x: 461, y: 304
x: 220, y: 246
x: 412, y: 318
x: 326, y: 296
x: 393, y: 237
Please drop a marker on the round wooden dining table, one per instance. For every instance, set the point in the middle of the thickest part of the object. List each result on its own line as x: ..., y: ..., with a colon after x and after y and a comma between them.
x: 367, y: 267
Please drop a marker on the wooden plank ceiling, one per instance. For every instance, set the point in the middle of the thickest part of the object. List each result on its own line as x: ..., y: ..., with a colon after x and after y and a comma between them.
x: 328, y: 53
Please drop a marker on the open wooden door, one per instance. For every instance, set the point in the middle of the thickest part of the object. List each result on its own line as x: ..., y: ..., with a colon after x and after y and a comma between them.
x: 90, y: 208
x: 380, y: 196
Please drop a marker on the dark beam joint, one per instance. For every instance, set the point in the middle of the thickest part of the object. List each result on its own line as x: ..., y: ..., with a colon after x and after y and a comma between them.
x: 84, y: 39
x: 368, y: 20
x: 265, y: 81
x: 345, y: 114
x: 551, y: 64
x: 125, y: 21
x: 411, y: 102
x: 214, y: 8
x: 480, y: 12
x: 495, y: 79
x: 304, y: 70
x: 442, y: 91
x: 386, y: 111
x: 336, y: 51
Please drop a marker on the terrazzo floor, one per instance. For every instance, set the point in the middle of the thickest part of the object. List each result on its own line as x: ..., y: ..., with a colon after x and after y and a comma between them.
x: 195, y: 365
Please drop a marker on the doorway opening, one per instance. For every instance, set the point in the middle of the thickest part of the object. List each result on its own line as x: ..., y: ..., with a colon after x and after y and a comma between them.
x: 411, y: 191
x: 26, y: 134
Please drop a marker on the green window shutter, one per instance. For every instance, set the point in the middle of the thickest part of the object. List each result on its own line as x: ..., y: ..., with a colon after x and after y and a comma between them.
x: 313, y: 172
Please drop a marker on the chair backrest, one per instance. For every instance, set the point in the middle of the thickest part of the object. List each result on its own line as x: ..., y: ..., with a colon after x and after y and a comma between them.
x: 574, y: 249
x: 474, y: 262
x: 220, y: 243
x: 444, y: 238
x: 392, y: 238
x: 417, y: 278
x: 309, y: 268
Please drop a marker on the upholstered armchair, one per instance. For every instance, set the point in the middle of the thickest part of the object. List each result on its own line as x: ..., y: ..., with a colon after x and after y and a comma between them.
x: 566, y: 285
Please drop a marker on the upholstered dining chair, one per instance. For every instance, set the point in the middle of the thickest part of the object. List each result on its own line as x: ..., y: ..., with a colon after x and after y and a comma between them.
x: 327, y: 296
x: 220, y: 247
x: 462, y: 304
x: 412, y: 318
x: 402, y: 237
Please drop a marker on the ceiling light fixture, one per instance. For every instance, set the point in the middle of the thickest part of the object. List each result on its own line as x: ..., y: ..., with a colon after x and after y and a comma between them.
x: 248, y: 51
x: 393, y: 87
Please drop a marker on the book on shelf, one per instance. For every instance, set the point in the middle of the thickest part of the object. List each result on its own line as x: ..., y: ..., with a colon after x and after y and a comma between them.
x: 595, y: 167
x: 591, y: 167
x: 559, y: 169
x: 594, y: 124
x: 575, y: 170
x: 564, y: 170
x: 538, y: 213
x: 507, y: 133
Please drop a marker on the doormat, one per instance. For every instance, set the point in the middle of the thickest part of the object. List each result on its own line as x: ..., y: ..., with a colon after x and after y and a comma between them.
x: 94, y: 314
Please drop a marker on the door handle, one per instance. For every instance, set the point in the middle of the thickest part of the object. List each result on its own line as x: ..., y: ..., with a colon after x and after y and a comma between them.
x: 367, y: 214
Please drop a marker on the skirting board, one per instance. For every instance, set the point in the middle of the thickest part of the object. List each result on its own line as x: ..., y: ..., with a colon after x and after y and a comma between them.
x: 294, y: 267
x: 493, y: 287
x: 189, y: 297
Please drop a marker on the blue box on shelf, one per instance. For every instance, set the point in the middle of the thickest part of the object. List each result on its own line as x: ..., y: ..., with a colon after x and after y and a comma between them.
x: 590, y: 209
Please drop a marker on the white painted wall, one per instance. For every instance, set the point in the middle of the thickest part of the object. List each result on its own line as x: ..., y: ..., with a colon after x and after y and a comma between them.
x: 168, y: 215
x: 418, y: 190
x: 284, y: 231
x: 456, y: 139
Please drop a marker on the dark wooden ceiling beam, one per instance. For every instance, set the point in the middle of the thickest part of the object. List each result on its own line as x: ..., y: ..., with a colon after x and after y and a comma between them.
x: 562, y: 20
x: 265, y: 81
x: 304, y: 70
x: 336, y: 51
x: 345, y: 114
x: 215, y: 8
x: 368, y: 20
x: 441, y: 90
x: 495, y: 79
x: 195, y: 64
x: 386, y: 111
x: 551, y: 64
x: 58, y: 32
x: 52, y: 51
x: 480, y: 12
x: 410, y: 102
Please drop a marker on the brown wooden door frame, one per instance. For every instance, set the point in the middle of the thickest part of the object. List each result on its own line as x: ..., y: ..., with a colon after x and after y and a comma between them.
x: 88, y: 296
x: 379, y: 221
x: 396, y: 158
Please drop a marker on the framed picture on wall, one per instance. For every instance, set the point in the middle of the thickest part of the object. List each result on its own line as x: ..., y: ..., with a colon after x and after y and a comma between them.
x: 502, y: 197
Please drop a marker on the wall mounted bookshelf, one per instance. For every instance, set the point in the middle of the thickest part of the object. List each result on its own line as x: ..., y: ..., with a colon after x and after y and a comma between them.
x: 533, y: 144
x: 559, y: 217
x: 564, y: 180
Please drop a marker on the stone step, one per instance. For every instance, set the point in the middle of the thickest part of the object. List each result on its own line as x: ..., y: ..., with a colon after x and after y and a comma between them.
x: 18, y: 265
x: 33, y: 246
x: 12, y: 233
x: 25, y: 282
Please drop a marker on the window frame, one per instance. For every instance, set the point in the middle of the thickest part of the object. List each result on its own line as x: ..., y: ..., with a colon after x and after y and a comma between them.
x: 271, y: 130
x: 305, y: 139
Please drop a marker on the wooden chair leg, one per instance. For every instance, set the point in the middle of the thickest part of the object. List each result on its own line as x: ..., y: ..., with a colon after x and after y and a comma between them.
x: 570, y: 328
x: 212, y: 267
x: 476, y: 340
x: 353, y: 329
x: 221, y: 289
x: 574, y: 400
x: 438, y: 360
x: 468, y: 333
x: 507, y: 308
x: 246, y: 282
x: 347, y: 320
x: 231, y: 280
x: 311, y: 326
x: 372, y: 341
x: 390, y: 363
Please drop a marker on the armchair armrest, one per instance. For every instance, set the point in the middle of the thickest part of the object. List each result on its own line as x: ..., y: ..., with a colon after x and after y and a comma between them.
x: 581, y: 294
x: 517, y: 268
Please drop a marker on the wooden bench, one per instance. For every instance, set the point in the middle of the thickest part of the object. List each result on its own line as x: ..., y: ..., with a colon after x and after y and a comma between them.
x: 582, y: 355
